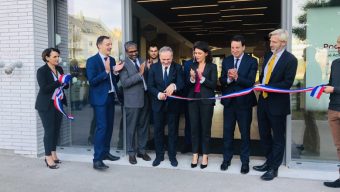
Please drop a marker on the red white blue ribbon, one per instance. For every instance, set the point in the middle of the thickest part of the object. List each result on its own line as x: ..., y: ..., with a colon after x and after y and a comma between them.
x: 316, y: 92
x: 58, y: 97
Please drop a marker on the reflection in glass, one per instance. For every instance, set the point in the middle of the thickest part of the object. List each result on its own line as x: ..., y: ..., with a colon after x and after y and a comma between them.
x: 87, y: 20
x: 313, y: 31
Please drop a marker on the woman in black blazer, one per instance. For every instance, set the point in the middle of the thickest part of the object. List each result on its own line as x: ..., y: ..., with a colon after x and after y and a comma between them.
x: 202, y: 83
x: 47, y: 77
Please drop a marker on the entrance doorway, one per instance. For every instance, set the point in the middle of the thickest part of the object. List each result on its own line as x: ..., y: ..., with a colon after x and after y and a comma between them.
x: 179, y: 24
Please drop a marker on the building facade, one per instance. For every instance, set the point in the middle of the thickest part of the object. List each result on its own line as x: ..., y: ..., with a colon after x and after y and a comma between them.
x: 27, y: 27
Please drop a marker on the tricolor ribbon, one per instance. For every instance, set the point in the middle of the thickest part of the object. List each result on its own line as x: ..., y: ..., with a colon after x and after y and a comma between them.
x: 58, y: 97
x: 315, y: 92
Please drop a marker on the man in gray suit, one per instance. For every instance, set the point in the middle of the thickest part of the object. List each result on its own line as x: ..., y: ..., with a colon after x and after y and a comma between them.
x: 136, y: 103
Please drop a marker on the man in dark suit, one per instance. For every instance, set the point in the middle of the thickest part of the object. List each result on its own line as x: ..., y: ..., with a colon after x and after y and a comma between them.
x: 238, y: 73
x: 102, y: 74
x: 278, y: 71
x: 165, y: 78
x: 136, y: 103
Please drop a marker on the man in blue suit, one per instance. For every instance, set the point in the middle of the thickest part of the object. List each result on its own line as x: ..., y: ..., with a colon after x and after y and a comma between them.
x: 102, y: 74
x: 165, y: 78
x: 278, y: 71
x: 238, y: 73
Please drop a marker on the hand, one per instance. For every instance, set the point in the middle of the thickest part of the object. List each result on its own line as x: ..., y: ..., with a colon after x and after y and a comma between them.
x: 119, y: 66
x: 328, y: 89
x: 192, y: 74
x: 170, y: 89
x: 141, y: 69
x: 232, y: 73
x: 148, y: 63
x: 107, y: 65
x: 162, y: 96
x: 199, y: 74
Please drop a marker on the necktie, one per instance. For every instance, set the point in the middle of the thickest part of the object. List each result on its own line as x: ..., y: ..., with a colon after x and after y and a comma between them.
x: 235, y: 64
x: 269, y: 73
x: 137, y: 67
x: 165, y: 76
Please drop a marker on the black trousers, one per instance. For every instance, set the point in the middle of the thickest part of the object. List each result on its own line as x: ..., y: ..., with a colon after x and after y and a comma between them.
x: 200, y: 121
x: 272, y: 130
x: 51, y: 120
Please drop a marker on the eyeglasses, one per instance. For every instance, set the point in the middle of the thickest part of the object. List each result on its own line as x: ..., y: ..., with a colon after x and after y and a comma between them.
x: 133, y: 51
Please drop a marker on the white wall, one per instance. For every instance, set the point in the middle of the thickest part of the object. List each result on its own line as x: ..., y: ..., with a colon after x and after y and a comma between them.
x: 23, y: 36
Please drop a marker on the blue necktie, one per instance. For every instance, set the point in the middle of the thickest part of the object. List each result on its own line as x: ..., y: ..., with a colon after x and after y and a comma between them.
x: 137, y: 67
x: 165, y: 76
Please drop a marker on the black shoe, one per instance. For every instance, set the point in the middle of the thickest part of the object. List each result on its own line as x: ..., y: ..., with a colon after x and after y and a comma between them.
x: 186, y: 148
x: 55, y: 166
x: 193, y: 165
x: 99, y: 165
x: 333, y: 184
x: 132, y: 159
x: 245, y: 168
x: 57, y: 161
x: 224, y: 166
x: 204, y: 166
x: 157, y: 161
x: 261, y: 168
x: 174, y: 162
x: 269, y: 175
x: 111, y: 157
x: 144, y: 156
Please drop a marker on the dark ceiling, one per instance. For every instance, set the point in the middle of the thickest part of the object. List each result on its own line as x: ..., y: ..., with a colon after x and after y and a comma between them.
x: 215, y: 21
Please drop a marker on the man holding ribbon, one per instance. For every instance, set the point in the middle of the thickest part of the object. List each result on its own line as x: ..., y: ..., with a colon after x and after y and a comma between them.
x: 333, y: 88
x: 136, y: 103
x: 164, y: 79
x: 102, y: 74
x: 278, y: 71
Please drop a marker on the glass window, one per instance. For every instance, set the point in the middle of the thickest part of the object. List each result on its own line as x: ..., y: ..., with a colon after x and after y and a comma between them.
x: 315, y: 30
x: 86, y: 21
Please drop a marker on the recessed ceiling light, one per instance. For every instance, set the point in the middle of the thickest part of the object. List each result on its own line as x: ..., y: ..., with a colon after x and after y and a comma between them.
x: 194, y: 6
x: 235, y: 1
x: 196, y: 14
x: 225, y: 21
x: 244, y: 9
x: 246, y: 15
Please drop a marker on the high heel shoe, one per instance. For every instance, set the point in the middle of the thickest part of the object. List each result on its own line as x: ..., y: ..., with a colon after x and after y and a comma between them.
x: 204, y: 166
x: 51, y: 166
x: 57, y: 161
x: 195, y: 165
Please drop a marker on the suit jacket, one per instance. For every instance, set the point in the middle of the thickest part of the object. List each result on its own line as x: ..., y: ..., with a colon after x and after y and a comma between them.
x: 208, y: 86
x: 156, y: 85
x: 132, y: 83
x: 282, y: 77
x: 186, y: 70
x: 99, y: 80
x: 47, y: 86
x: 246, y: 79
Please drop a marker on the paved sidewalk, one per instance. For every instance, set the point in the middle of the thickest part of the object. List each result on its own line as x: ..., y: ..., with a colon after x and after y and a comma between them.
x: 23, y: 174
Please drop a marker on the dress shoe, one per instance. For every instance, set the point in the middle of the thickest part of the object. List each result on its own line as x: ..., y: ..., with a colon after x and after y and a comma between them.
x: 224, y: 166
x: 132, y: 159
x: 193, y: 165
x: 157, y: 161
x: 174, y: 162
x: 144, y: 156
x: 261, y: 168
x: 269, y: 175
x: 57, y: 161
x: 333, y: 184
x: 204, y: 166
x: 55, y: 166
x: 111, y: 157
x: 99, y: 165
x: 245, y: 168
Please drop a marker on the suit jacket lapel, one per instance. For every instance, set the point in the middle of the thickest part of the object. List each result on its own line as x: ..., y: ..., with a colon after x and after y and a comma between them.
x: 100, y: 62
